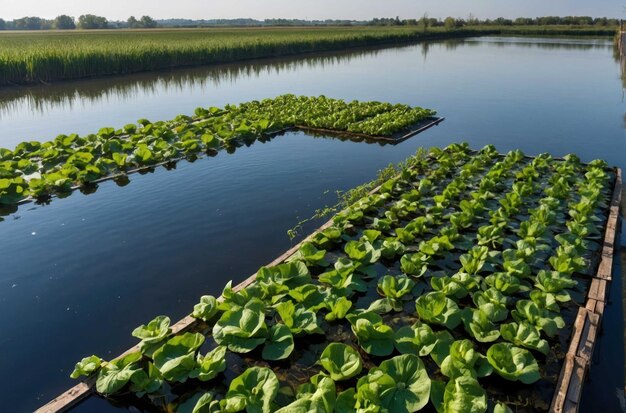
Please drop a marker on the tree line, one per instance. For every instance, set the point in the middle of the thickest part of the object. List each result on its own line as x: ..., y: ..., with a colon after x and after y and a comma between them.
x: 90, y: 21
x: 451, y: 22
x: 85, y: 22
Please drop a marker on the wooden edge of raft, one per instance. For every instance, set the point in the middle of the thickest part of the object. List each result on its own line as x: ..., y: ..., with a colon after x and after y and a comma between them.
x: 587, y: 324
x: 569, y: 385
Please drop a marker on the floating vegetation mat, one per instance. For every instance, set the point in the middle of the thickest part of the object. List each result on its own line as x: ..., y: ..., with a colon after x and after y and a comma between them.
x: 452, y: 287
x: 35, y: 170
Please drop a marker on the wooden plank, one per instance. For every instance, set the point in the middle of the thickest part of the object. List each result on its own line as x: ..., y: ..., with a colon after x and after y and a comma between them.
x: 598, y: 290
x: 588, y: 338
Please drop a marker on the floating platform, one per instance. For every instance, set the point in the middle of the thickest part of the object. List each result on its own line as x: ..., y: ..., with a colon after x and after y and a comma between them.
x: 575, y: 365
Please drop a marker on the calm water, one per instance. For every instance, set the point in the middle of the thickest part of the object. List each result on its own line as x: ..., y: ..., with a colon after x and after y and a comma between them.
x: 79, y: 274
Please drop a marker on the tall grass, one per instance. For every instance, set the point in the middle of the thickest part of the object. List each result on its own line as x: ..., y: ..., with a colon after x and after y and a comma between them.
x: 34, y: 57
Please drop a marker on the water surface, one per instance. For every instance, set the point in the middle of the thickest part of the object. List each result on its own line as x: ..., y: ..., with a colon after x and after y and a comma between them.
x: 79, y: 274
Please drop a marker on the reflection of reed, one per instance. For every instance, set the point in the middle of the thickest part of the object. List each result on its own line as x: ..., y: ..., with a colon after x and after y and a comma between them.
x: 44, y: 97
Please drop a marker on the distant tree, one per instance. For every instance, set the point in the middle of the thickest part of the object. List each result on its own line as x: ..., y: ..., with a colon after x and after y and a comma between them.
x: 29, y: 23
x: 472, y: 20
x: 64, y: 22
x: 449, y: 23
x: 148, y: 22
x: 90, y: 21
x: 3, y: 24
x: 501, y: 21
x: 132, y: 22
x: 425, y: 21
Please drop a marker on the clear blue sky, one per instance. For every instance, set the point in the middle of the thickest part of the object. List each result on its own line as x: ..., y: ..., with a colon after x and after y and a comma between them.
x: 310, y: 9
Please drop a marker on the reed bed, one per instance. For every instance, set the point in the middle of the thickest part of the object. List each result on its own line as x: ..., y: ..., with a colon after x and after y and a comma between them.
x: 35, y: 57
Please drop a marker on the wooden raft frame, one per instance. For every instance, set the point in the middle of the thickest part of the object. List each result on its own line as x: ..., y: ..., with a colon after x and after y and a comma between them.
x: 575, y: 365
x: 586, y: 328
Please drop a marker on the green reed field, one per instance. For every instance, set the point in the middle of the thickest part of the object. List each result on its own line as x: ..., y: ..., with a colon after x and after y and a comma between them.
x: 34, y: 57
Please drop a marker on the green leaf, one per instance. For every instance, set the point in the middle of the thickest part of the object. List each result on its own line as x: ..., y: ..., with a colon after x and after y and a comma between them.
x: 241, y: 329
x: 297, y: 318
x: 374, y: 338
x: 401, y: 384
x: 435, y: 307
x: 478, y: 324
x: 526, y: 335
x: 176, y: 359
x: 338, y: 309
x: 416, y: 339
x: 254, y: 391
x: 279, y: 344
x: 86, y: 367
x: 464, y: 394
x: 199, y: 403
x: 513, y: 363
x: 114, y: 375
x: 341, y: 361
x: 322, y: 399
x: 155, y: 331
x: 211, y: 365
x: 143, y: 383
x: 206, y: 308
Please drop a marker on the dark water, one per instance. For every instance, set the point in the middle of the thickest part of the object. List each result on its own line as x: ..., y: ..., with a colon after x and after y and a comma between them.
x: 79, y: 274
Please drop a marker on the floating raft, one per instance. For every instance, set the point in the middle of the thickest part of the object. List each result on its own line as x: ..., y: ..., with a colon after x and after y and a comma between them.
x: 578, y: 359
x: 576, y: 363
x: 396, y: 138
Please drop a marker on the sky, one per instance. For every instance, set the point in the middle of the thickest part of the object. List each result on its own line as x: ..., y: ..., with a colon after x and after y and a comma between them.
x: 311, y: 9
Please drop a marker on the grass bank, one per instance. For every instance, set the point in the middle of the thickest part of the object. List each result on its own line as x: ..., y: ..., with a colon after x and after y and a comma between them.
x: 35, y: 57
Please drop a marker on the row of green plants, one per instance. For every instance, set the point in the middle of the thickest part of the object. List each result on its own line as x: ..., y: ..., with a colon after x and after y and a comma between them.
x: 448, y: 287
x: 39, y: 170
x: 48, y: 56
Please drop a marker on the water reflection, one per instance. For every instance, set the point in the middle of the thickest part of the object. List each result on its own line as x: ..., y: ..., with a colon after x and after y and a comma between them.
x: 67, y: 95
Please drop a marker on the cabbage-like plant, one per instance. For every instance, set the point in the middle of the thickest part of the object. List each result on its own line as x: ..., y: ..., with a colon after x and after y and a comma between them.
x: 210, y: 365
x: 478, y: 324
x: 341, y: 361
x: 435, y: 307
x: 337, y: 308
x: 505, y: 283
x: 297, y: 318
x: 310, y: 255
x: 492, y: 303
x: 279, y: 344
x: 114, y: 375
x: 461, y: 394
x: 474, y: 260
x: 416, y: 339
x: 400, y: 384
x: 373, y: 336
x: 317, y: 396
x: 254, y: 391
x: 464, y: 360
x: 177, y: 358
x: 513, y: 363
x: 206, y: 308
x: 396, y: 289
x: 524, y: 334
x: 547, y: 321
x: 86, y: 367
x: 415, y: 264
x: 241, y: 329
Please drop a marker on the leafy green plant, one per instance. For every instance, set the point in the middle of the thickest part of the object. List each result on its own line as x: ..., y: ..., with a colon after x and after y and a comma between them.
x: 436, y: 308
x: 210, y: 365
x: 241, y: 329
x: 374, y: 337
x: 400, y: 384
x: 206, y: 309
x: 279, y: 344
x: 526, y: 335
x: 513, y: 363
x: 341, y: 361
x: 176, y: 359
x: 254, y: 391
